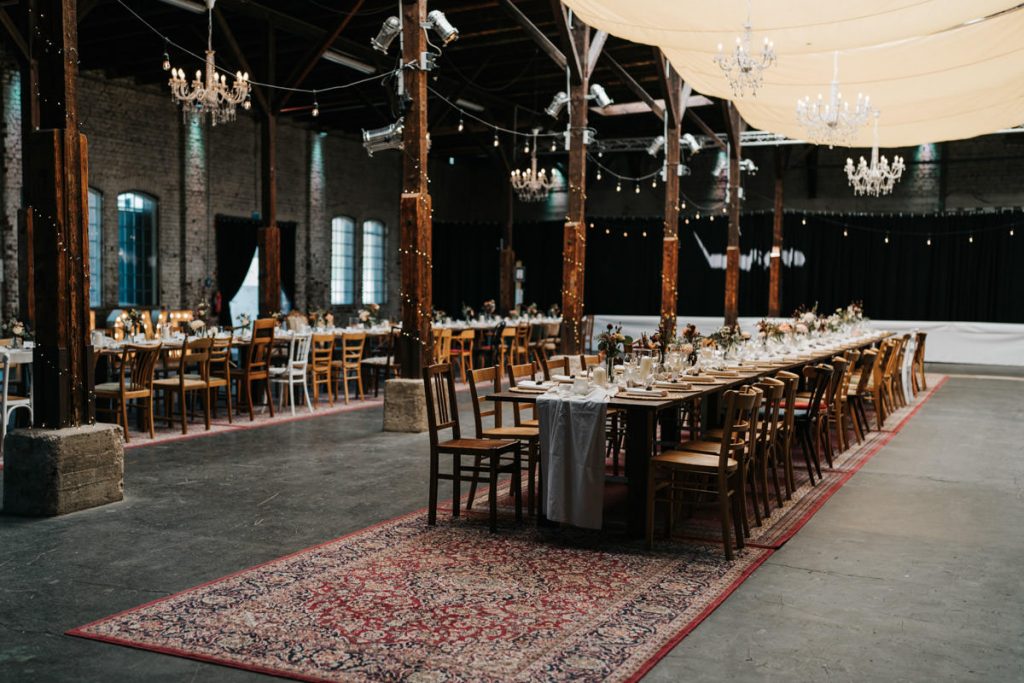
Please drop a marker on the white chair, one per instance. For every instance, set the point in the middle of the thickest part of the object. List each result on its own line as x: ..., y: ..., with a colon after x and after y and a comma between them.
x: 8, y: 403
x: 293, y: 373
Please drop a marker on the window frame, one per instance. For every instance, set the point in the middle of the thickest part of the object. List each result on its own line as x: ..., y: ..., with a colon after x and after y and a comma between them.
x: 153, y: 253
x: 95, y: 247
x: 366, y: 265
x: 338, y: 276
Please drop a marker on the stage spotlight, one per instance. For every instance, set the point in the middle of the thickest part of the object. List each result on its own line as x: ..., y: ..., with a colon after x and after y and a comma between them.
x: 388, y: 137
x: 442, y: 27
x: 691, y: 143
x: 599, y: 96
x: 389, y: 30
x: 558, y: 103
x: 656, y: 145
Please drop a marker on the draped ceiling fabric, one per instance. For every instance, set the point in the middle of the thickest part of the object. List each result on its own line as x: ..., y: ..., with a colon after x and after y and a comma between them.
x: 935, y: 69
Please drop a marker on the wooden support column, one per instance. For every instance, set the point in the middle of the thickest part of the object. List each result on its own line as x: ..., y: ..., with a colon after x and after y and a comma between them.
x: 29, y: 126
x: 269, y: 236
x: 732, y: 251
x: 574, y: 235
x: 775, y: 262
x: 507, y: 256
x: 415, y: 348
x: 57, y: 181
x: 675, y: 102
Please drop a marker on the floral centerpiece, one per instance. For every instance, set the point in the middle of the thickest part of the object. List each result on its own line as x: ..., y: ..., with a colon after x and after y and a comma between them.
x: 532, y: 310
x: 438, y: 315
x: 197, y: 326
x: 244, y: 321
x: 554, y: 310
x: 728, y: 337
x: 613, y: 343
x: 468, y: 313
x: 769, y: 330
x: 201, y: 310
x: 132, y: 319
x: 853, y: 314
x: 16, y: 330
x: 489, y: 308
x: 317, y: 318
x: 369, y: 315
x: 690, y: 341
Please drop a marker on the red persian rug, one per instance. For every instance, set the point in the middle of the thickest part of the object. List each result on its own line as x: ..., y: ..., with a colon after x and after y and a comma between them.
x: 404, y: 601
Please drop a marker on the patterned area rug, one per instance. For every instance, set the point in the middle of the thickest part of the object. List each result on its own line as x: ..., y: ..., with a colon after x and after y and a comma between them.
x: 404, y: 601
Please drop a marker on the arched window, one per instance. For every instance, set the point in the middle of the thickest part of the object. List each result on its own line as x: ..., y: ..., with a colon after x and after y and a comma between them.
x: 374, y: 282
x: 137, y: 248
x: 95, y: 248
x: 343, y: 257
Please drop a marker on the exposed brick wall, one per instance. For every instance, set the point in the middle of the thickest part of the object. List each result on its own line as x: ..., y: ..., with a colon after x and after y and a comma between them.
x: 138, y: 142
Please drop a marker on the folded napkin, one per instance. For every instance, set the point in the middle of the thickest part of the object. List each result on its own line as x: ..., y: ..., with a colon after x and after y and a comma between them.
x: 561, y: 378
x: 723, y: 373
x: 645, y: 392
x: 533, y: 384
x: 678, y: 386
x: 700, y: 379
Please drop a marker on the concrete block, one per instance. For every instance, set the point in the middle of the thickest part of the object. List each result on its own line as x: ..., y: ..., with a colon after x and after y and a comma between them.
x: 405, y: 406
x: 56, y: 471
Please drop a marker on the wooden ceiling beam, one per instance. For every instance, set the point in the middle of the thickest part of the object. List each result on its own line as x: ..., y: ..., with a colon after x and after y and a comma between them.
x: 705, y: 128
x: 304, y: 67
x: 596, y: 46
x: 572, y: 52
x: 261, y: 97
x: 542, y: 41
x: 637, y: 89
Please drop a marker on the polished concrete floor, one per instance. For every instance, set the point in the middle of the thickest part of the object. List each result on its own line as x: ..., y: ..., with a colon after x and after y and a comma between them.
x: 914, y: 571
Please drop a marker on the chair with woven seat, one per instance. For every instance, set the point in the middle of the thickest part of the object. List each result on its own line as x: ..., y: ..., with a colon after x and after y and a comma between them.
x: 386, y: 366
x: 194, y: 354
x: 349, y: 367
x: 810, y: 415
x: 135, y: 383
x: 859, y: 395
x: 489, y: 379
x: 220, y: 374
x: 257, y: 364
x: 320, y: 368
x: 917, y: 377
x: 786, y: 427
x: 496, y: 456
x: 11, y: 403
x: 462, y: 351
x: 293, y: 373
x: 708, y: 469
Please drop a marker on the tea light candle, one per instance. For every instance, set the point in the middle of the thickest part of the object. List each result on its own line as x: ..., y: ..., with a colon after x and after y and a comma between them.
x: 645, y: 365
x: 600, y: 376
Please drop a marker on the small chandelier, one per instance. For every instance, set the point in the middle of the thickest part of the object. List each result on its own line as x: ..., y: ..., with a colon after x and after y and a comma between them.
x: 742, y: 68
x: 879, y: 177
x: 211, y: 98
x: 833, y: 122
x: 532, y: 185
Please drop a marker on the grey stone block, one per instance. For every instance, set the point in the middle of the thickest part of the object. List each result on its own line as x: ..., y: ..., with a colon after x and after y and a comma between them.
x: 405, y: 406
x: 56, y: 471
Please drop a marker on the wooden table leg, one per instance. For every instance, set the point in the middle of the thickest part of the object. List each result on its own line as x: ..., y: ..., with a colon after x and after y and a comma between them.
x: 639, y: 447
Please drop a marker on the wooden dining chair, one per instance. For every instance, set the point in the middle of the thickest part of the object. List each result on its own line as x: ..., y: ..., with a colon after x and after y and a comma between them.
x: 902, y: 367
x: 9, y: 403
x: 386, y: 366
x: 194, y: 354
x: 810, y: 415
x: 919, y: 380
x: 442, y: 344
x: 496, y: 456
x: 703, y: 474
x: 786, y: 427
x: 220, y: 374
x: 257, y: 364
x: 517, y: 373
x: 522, y: 344
x: 320, y: 369
x: 506, y: 342
x: 841, y: 416
x: 555, y: 365
x: 462, y: 351
x: 349, y: 366
x: 489, y: 379
x: 588, y: 361
x: 859, y: 395
x: 135, y: 383
x: 588, y: 332
x: 769, y: 455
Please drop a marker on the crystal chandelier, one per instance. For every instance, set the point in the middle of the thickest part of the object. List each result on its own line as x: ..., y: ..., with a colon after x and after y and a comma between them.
x: 211, y: 98
x: 532, y: 185
x: 833, y: 122
x: 742, y: 68
x: 879, y: 177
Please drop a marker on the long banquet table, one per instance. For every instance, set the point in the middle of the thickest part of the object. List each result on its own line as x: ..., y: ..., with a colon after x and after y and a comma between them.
x: 643, y: 414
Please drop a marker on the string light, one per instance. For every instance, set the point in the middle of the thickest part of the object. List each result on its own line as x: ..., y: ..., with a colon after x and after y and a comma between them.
x: 618, y: 187
x: 845, y: 233
x: 887, y: 238
x: 316, y: 106
x: 1011, y: 232
x: 607, y: 231
x: 462, y: 125
x: 970, y: 239
x: 645, y: 233
x: 598, y: 174
x: 803, y: 221
x: 496, y: 143
x: 637, y: 188
x: 654, y: 182
x: 929, y: 242
x: 554, y: 145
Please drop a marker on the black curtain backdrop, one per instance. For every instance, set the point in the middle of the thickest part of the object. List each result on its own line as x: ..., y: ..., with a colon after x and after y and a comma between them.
x: 953, y: 278
x: 236, y: 242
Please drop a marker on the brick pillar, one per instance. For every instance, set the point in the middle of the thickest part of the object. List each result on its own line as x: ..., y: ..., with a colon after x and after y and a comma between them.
x: 11, y: 139
x: 316, y: 247
x: 196, y: 235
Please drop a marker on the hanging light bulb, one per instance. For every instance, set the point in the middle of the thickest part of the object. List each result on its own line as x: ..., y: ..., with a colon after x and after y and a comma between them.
x: 970, y: 239
x: 1011, y: 232
x: 686, y: 221
x: 607, y: 231
x: 461, y: 125
x: 929, y: 242
x: 638, y: 188
x: 526, y: 147
x: 554, y: 145
x: 698, y: 215
x: 496, y: 143
x: 618, y: 187
x: 645, y: 233
x: 844, y: 232
x: 316, y: 107
x: 654, y: 182
x: 167, y: 61
x: 599, y: 177
x: 887, y: 239
x: 625, y: 234
x: 803, y: 221
x: 711, y: 218
x: 683, y: 206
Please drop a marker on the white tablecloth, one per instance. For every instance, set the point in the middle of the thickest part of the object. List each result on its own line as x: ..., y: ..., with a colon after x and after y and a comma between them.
x: 572, y: 451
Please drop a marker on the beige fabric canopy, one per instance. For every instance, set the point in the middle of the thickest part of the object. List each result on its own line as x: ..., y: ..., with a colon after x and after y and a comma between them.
x: 935, y: 69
